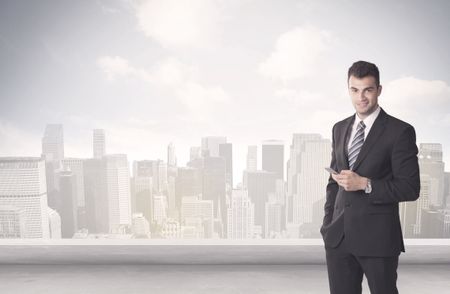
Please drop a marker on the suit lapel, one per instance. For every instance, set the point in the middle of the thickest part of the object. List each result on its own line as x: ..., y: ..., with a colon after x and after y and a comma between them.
x: 377, y: 129
x: 343, y: 141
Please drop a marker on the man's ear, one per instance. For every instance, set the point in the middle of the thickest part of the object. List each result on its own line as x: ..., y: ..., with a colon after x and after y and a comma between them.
x: 380, y: 87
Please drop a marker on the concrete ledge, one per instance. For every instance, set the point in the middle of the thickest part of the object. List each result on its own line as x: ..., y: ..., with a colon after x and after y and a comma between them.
x: 222, y: 251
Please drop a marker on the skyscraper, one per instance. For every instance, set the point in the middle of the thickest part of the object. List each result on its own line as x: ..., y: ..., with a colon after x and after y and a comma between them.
x: 157, y: 169
x: 53, y: 143
x: 171, y: 156
x: 432, y: 191
x: 143, y: 196
x: 297, y: 148
x: 96, y: 195
x: 226, y: 151
x: 260, y: 184
x: 430, y: 161
x: 193, y: 207
x: 311, y: 179
x: 273, y: 157
x: 75, y: 165
x: 187, y: 183
x: 275, y: 217
x: 213, y: 172
x: 252, y: 158
x: 12, y: 222
x: 69, y: 208
x: 23, y: 196
x: 118, y: 187
x: 53, y: 153
x: 210, y: 145
x: 99, y: 143
x: 240, y: 216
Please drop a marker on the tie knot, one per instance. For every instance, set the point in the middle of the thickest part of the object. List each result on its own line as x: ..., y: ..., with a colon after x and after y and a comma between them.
x: 361, y: 125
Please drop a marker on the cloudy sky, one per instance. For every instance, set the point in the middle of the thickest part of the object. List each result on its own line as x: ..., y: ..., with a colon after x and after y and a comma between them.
x: 154, y: 72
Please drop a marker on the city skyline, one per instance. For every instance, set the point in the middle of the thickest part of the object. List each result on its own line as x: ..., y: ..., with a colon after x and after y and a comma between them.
x: 108, y: 195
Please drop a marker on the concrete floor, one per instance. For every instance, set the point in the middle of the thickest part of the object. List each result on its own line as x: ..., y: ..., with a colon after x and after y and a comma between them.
x: 167, y: 279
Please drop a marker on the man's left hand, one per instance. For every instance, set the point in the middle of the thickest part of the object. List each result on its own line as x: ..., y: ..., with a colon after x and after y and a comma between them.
x: 350, y: 180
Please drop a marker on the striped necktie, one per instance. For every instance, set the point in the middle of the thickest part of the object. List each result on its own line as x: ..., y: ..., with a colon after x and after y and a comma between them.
x: 357, y: 143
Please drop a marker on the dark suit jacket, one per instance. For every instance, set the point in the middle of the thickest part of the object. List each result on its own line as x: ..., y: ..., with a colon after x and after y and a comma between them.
x: 370, y: 222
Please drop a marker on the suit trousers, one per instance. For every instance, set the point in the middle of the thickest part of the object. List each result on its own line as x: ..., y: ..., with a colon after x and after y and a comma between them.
x: 345, y: 272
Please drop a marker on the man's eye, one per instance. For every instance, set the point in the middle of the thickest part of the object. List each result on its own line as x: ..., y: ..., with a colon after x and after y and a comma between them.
x: 354, y: 90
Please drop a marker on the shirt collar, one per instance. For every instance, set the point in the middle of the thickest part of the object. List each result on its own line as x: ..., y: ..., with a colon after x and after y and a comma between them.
x: 368, y: 121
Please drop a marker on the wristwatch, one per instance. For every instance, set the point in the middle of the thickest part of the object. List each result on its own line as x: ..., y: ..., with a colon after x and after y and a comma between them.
x: 368, y: 187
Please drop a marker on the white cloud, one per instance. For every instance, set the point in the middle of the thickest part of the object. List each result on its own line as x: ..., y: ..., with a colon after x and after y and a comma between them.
x: 116, y: 66
x: 201, y: 101
x: 419, y: 100
x: 297, y: 53
x: 173, y: 72
x: 179, y: 22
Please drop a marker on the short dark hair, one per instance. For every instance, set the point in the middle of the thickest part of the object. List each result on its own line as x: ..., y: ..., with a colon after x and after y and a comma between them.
x: 362, y: 69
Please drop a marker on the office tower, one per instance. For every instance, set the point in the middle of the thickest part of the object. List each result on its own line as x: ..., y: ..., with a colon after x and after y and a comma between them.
x: 119, y: 198
x: 96, y: 195
x: 99, y: 143
x: 143, y: 196
x: 252, y: 158
x: 446, y: 221
x: 160, y: 208
x: 411, y: 211
x: 141, y: 226
x: 23, y: 193
x: 408, y: 217
x: 447, y: 190
x: 432, y: 225
x: 171, y: 157
x: 187, y: 183
x: 75, y: 165
x: 173, y: 212
x: 275, y: 217
x: 53, y: 153
x: 311, y: 179
x: 210, y: 145
x: 273, y: 157
x: 213, y: 172
x: 156, y: 169
x: 53, y: 143
x: 226, y: 151
x: 430, y: 162
x: 12, y: 222
x: 240, y: 216
x: 432, y: 194
x: 54, y: 221
x: 195, y: 153
x: 259, y: 185
x: 69, y: 211
x: 297, y: 148
x: 193, y: 207
x: 172, y: 171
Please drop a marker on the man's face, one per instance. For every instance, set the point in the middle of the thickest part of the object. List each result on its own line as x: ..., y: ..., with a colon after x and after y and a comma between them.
x: 364, y: 94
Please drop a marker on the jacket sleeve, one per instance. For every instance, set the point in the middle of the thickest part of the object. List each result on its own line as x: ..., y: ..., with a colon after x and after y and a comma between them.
x: 404, y: 185
x: 332, y: 186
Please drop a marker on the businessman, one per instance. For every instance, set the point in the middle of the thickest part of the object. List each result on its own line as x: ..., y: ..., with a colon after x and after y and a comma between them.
x: 375, y: 159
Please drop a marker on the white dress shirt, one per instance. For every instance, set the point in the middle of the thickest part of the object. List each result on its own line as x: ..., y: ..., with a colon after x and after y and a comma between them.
x: 368, y: 121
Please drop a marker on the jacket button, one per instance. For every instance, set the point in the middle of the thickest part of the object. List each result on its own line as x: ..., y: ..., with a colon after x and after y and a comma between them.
x: 347, y: 205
